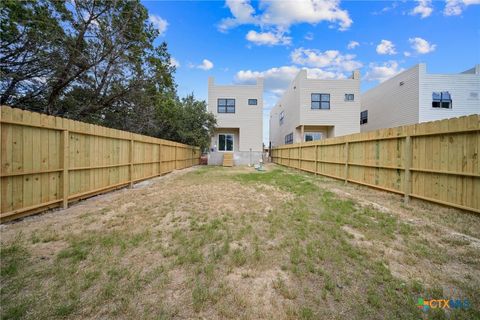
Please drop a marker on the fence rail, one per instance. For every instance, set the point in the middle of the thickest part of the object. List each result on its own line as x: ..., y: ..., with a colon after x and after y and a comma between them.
x: 50, y: 161
x: 435, y: 161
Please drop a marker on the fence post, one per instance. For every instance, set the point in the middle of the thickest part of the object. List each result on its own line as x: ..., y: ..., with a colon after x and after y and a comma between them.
x: 300, y: 157
x: 175, y: 157
x: 408, y: 163
x: 131, y: 162
x: 65, y: 180
x: 160, y: 159
x: 346, y: 162
x: 316, y: 159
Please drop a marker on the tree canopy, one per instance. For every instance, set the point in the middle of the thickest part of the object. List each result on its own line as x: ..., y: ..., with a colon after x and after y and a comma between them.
x: 95, y: 61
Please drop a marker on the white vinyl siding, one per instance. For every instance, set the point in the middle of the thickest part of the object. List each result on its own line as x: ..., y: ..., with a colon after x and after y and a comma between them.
x: 407, y: 97
x: 247, y: 119
x: 296, y: 102
x: 459, y: 86
x: 393, y: 102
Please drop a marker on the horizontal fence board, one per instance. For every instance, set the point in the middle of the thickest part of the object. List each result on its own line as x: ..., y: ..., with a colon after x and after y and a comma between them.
x: 48, y: 161
x: 439, y: 164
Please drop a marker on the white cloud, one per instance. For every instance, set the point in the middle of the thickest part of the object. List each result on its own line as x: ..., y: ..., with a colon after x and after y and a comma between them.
x: 386, y: 47
x: 422, y: 46
x: 382, y: 72
x: 309, y: 36
x: 332, y: 60
x: 174, y: 62
x: 205, y: 65
x: 407, y: 54
x: 424, y: 8
x: 268, y: 38
x: 159, y: 23
x: 242, y: 12
x: 282, y: 14
x: 278, y: 79
x: 352, y: 45
x: 386, y: 9
x: 456, y: 7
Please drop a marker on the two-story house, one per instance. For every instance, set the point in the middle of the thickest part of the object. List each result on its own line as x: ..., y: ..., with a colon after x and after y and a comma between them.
x: 314, y: 109
x: 238, y: 110
x: 415, y: 96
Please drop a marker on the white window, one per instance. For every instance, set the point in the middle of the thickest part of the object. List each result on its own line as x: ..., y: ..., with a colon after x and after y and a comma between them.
x: 282, y: 116
x: 225, y: 142
x: 312, y: 136
x: 349, y: 97
x: 441, y: 100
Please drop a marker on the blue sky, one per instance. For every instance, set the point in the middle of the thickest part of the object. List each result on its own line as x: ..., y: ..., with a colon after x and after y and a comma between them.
x: 236, y: 41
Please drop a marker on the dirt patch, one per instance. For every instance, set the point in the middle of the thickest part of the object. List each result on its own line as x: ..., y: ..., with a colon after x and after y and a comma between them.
x: 209, y: 243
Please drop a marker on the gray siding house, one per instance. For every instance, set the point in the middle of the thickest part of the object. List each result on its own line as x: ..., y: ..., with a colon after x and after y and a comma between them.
x: 314, y: 109
x: 415, y: 96
x: 238, y: 110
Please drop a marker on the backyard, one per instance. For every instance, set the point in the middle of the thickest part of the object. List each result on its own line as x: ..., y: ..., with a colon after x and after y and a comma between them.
x: 216, y: 243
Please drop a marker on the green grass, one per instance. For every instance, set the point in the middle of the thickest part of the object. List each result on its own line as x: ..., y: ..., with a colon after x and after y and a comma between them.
x: 218, y: 264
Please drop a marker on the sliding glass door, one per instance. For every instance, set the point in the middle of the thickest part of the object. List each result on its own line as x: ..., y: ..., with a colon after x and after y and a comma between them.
x: 225, y: 142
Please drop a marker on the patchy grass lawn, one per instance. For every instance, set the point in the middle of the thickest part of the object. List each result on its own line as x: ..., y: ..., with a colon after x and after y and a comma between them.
x: 215, y: 243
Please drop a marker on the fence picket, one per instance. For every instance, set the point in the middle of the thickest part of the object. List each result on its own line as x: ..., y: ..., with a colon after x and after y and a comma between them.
x: 50, y: 161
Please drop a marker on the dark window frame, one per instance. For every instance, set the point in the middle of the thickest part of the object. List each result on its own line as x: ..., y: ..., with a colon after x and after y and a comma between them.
x: 225, y: 142
x: 347, y: 95
x: 318, y: 104
x: 225, y: 108
x: 289, y: 138
x: 252, y: 104
x: 442, y: 100
x: 281, y: 117
x: 312, y: 133
x: 363, y: 117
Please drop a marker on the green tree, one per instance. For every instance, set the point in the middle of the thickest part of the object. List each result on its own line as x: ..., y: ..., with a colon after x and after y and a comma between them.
x: 95, y: 61
x: 195, y: 113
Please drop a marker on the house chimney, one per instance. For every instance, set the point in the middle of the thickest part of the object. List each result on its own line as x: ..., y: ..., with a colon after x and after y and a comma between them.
x: 356, y: 75
x: 211, y: 81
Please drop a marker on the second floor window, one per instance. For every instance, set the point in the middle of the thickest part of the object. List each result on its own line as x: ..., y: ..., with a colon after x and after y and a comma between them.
x: 252, y: 102
x: 282, y: 116
x: 349, y: 97
x: 442, y: 100
x: 320, y: 101
x: 226, y: 106
x: 364, y: 117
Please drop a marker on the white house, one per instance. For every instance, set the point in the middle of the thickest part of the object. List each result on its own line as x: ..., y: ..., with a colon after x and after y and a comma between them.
x: 238, y: 110
x: 415, y: 96
x: 313, y: 109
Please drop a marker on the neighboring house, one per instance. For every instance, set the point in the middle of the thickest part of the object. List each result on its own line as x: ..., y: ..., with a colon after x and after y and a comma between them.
x: 238, y: 110
x: 314, y: 109
x: 415, y: 96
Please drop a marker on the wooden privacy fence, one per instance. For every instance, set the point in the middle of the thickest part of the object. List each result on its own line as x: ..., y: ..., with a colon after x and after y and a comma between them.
x: 435, y: 161
x: 49, y: 161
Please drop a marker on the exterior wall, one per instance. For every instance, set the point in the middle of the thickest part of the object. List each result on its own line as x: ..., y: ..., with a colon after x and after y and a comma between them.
x: 240, y: 158
x: 248, y: 119
x: 460, y: 86
x: 343, y: 115
x: 236, y: 138
x: 390, y: 104
x: 341, y: 119
x: 289, y: 105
